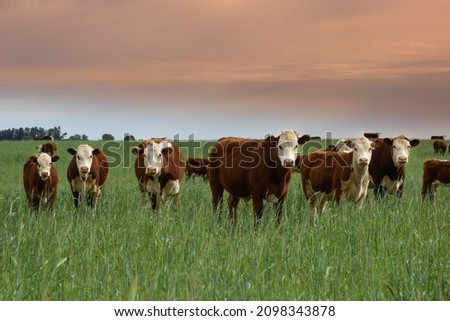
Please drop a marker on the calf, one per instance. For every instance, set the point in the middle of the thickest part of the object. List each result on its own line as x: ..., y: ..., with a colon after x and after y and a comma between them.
x: 49, y: 148
x: 40, y: 180
x: 87, y: 172
x: 197, y: 167
x: 159, y: 168
x: 440, y: 147
x: 253, y: 169
x: 337, y: 176
x: 387, y: 168
x: 435, y: 173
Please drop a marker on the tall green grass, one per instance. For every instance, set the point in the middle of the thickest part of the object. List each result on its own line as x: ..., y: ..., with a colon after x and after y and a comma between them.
x: 123, y: 251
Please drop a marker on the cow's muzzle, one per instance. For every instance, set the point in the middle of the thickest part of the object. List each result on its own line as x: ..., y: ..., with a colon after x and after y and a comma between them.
x: 151, y: 171
x: 44, y: 175
x: 288, y: 163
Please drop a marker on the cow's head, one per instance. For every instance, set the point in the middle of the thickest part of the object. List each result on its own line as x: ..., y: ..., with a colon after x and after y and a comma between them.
x: 153, y: 156
x: 84, y: 155
x: 362, y: 151
x: 44, y: 164
x: 287, y: 144
x: 401, y: 147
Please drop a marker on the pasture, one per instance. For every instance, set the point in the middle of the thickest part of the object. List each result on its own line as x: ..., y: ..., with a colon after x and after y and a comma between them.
x: 123, y: 251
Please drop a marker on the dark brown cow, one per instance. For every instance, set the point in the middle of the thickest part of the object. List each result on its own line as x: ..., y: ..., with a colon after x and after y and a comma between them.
x: 197, y: 167
x: 87, y: 172
x: 440, y: 147
x: 441, y: 137
x: 435, y: 173
x: 372, y: 136
x: 336, y: 176
x: 387, y: 168
x: 49, y: 148
x: 40, y: 180
x: 253, y: 169
x: 159, y: 168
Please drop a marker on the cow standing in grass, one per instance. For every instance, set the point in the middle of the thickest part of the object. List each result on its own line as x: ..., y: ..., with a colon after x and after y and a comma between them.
x: 387, y: 168
x: 87, y: 172
x: 436, y: 173
x: 253, y: 169
x: 40, y: 180
x: 49, y: 148
x: 159, y: 168
x: 336, y: 176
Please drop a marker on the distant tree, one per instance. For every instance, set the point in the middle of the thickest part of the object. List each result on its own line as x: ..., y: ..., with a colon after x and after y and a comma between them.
x: 56, y: 133
x: 78, y: 137
x: 107, y: 137
x: 128, y: 137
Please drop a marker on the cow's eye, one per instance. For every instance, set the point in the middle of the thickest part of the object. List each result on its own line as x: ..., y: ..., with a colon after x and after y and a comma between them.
x: 280, y: 147
x: 355, y: 149
x: 78, y: 157
x: 160, y: 155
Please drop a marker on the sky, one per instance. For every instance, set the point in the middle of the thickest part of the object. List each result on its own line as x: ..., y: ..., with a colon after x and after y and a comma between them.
x: 213, y: 68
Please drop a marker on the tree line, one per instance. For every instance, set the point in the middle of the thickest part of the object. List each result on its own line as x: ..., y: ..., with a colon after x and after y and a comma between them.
x: 30, y: 133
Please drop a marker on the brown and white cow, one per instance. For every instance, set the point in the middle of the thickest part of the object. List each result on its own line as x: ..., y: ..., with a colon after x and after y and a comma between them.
x: 337, y: 176
x: 387, y: 168
x: 435, y: 173
x: 49, y: 148
x: 87, y: 172
x: 253, y: 169
x: 440, y: 147
x: 159, y: 168
x: 40, y: 180
x: 197, y: 167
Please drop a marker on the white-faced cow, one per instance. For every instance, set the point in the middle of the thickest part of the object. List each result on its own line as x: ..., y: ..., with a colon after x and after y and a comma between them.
x: 336, y: 176
x: 435, y: 173
x: 49, y: 148
x: 253, y: 169
x: 87, y: 172
x: 40, y: 180
x: 387, y: 168
x: 159, y: 168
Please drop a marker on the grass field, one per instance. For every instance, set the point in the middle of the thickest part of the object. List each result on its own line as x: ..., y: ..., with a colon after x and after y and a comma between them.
x: 387, y: 251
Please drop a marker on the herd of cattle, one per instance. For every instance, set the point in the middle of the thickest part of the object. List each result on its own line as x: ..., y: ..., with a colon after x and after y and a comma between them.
x: 256, y: 169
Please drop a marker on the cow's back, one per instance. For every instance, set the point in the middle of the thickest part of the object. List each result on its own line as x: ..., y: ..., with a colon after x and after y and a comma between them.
x: 230, y: 164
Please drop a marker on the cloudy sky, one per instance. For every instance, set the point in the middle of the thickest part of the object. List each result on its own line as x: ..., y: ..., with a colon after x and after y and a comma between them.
x: 226, y: 67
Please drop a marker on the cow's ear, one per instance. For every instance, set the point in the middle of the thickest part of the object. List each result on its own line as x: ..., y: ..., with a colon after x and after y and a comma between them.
x: 39, y: 147
x: 55, y: 158
x: 304, y: 139
x: 167, y: 150
x: 72, y: 151
x: 137, y: 151
x: 271, y: 138
x: 388, y: 141
x: 96, y: 151
x: 414, y: 142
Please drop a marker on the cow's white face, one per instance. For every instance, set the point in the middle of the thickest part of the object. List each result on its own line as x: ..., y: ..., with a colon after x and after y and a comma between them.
x: 401, y: 147
x: 362, y: 152
x: 153, y: 157
x: 44, y: 165
x: 84, y: 155
x: 287, y: 148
